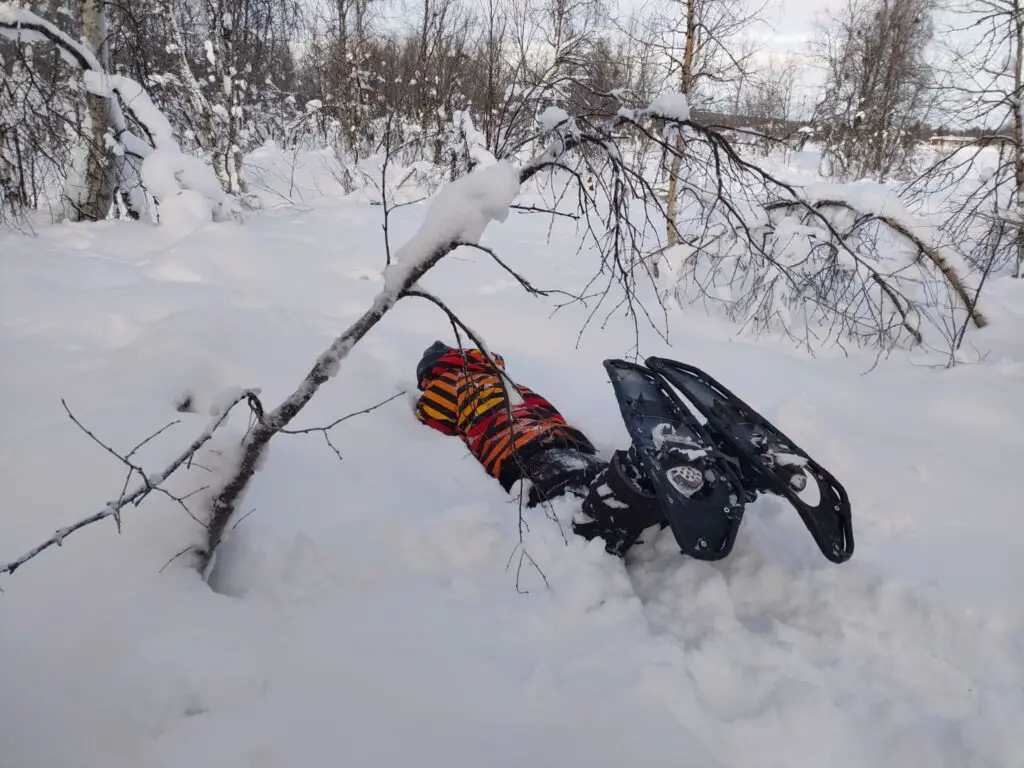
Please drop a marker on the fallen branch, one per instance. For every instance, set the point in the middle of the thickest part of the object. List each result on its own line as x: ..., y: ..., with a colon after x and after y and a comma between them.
x: 933, y: 254
x: 724, y: 156
x: 149, y: 484
x: 431, y: 243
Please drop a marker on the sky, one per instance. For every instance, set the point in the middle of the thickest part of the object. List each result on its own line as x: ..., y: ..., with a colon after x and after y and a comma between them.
x: 792, y: 23
x: 785, y: 30
x: 789, y: 24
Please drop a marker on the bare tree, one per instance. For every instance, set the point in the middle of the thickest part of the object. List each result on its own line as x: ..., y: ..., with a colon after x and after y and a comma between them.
x: 139, y: 133
x: 767, y: 94
x: 487, y: 86
x: 877, y: 90
x: 982, y: 84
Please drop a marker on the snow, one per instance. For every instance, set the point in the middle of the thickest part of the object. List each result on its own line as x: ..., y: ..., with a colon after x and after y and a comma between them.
x: 672, y: 106
x: 186, y: 187
x: 366, y: 611
x: 474, y: 140
x: 784, y: 459
x: 552, y: 118
x: 683, y: 445
x: 459, y: 212
x: 137, y: 100
x: 225, y: 399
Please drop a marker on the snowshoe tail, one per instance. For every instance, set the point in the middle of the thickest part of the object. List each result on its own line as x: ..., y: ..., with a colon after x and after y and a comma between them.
x: 700, y: 495
x: 778, y: 465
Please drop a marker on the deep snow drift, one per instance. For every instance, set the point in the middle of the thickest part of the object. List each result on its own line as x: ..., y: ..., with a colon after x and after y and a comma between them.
x: 367, y: 611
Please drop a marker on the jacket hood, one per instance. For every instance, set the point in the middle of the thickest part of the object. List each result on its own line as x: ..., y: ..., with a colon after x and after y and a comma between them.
x: 440, y: 358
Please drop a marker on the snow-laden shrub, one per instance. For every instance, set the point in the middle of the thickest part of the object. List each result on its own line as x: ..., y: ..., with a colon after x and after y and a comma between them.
x: 157, y: 180
x: 847, y: 262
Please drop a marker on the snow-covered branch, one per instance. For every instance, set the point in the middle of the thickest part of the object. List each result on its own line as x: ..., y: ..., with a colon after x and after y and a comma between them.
x: 148, y: 484
x: 912, y: 233
x: 177, y: 181
x: 458, y: 214
x: 730, y: 235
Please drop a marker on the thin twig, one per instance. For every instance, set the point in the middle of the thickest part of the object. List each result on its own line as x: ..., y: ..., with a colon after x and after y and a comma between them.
x: 186, y: 550
x: 535, y: 209
x: 346, y: 417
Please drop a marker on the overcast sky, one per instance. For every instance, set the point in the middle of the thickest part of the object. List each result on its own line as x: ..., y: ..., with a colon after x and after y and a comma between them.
x: 789, y: 23
x: 792, y: 22
x: 786, y: 30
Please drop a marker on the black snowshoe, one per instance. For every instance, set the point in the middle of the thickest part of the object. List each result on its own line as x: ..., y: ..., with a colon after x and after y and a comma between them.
x: 700, y: 495
x: 703, y: 474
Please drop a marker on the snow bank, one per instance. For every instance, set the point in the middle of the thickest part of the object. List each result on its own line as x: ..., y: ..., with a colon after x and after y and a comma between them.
x: 186, y: 187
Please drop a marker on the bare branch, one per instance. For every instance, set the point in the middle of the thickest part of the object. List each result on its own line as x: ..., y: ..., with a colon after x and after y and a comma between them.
x: 344, y: 418
x: 150, y: 483
x: 325, y: 430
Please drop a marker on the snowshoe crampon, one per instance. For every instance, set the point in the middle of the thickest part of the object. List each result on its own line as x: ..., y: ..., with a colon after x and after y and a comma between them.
x: 700, y: 494
x: 767, y: 458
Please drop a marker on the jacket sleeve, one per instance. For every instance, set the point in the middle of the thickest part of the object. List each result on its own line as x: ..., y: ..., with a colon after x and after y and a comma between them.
x: 436, y: 410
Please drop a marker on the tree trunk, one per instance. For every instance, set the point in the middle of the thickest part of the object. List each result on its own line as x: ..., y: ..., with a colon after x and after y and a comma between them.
x: 1018, y: 134
x: 92, y: 193
x: 685, y: 83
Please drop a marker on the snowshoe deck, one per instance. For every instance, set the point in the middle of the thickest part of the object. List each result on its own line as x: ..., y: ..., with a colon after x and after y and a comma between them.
x: 700, y: 495
x: 778, y: 464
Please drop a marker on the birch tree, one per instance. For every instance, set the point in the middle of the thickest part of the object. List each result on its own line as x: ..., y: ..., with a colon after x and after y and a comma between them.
x: 700, y: 45
x: 878, y: 85
x: 89, y: 193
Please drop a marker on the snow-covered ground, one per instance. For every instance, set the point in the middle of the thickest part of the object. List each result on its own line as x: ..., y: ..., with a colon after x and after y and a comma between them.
x: 366, y: 611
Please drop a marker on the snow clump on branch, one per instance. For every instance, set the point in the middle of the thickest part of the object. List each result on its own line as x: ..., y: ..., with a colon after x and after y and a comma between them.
x: 459, y: 213
x: 671, y: 106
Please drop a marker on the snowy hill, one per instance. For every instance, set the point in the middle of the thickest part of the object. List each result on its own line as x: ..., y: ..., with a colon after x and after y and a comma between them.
x: 366, y: 611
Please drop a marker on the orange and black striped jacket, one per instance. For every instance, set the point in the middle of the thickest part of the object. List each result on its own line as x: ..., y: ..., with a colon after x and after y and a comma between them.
x: 464, y: 396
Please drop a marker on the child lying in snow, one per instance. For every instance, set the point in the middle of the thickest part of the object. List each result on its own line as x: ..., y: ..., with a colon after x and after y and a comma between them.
x: 524, y: 437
